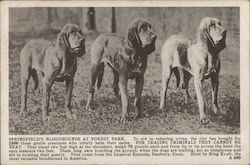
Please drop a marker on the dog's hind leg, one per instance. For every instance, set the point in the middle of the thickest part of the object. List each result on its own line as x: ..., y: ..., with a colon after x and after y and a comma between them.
x: 47, y: 85
x: 166, y: 74
x: 100, y: 71
x: 186, y: 77
x: 35, y: 79
x: 25, y: 76
x: 116, y: 87
x: 177, y: 75
x: 91, y: 90
x: 97, y: 66
x: 124, y: 97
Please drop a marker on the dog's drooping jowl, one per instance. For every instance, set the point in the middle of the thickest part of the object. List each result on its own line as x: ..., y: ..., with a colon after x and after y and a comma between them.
x: 128, y: 59
x: 195, y: 58
x: 56, y: 61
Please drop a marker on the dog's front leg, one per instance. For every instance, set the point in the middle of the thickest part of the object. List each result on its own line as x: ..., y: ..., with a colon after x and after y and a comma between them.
x: 215, y: 85
x: 138, y: 91
x: 201, y: 104
x: 124, y: 97
x: 47, y: 84
x: 69, y: 90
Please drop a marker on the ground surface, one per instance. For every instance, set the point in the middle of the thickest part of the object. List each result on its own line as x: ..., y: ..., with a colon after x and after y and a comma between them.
x: 178, y: 117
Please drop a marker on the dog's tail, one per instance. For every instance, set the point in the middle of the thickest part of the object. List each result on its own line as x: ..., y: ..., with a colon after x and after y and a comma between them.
x: 34, y: 78
x: 100, y: 75
x: 177, y: 75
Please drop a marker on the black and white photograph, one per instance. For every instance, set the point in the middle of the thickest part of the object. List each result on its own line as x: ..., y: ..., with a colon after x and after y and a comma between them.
x: 124, y: 70
x: 125, y: 82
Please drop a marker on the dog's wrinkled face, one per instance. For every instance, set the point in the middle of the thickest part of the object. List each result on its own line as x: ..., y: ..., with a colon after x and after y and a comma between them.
x: 214, y: 31
x: 72, y: 36
x: 140, y: 35
x: 217, y: 32
x: 146, y: 35
x: 75, y: 38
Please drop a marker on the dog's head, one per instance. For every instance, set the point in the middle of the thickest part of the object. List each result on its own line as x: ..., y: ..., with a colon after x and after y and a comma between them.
x: 72, y: 39
x: 212, y: 31
x: 140, y: 36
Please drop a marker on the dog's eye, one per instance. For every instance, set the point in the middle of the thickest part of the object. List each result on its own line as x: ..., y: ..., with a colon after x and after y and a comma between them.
x: 212, y: 25
x: 144, y: 28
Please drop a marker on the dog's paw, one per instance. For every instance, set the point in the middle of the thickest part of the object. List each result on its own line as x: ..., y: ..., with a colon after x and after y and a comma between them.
x: 89, y: 108
x: 71, y: 116
x: 216, y: 109
x: 118, y: 107
x: 118, y: 103
x: 162, y: 113
x: 138, y: 114
x: 136, y: 117
x: 46, y: 120
x: 188, y: 99
x: 54, y: 103
x: 161, y: 109
x: 23, y: 113
x: 123, y: 120
x: 204, y: 121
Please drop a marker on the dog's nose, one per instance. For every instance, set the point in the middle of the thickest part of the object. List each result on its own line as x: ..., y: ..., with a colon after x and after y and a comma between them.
x: 224, y: 33
x: 82, y: 39
x: 154, y: 37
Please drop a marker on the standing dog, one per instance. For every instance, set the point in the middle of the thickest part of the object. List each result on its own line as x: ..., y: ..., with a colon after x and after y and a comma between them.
x: 128, y: 59
x: 57, y: 61
x: 193, y: 58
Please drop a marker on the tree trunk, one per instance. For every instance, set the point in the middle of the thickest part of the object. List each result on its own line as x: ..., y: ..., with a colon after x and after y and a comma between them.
x: 91, y: 18
x: 113, y: 22
x: 49, y: 18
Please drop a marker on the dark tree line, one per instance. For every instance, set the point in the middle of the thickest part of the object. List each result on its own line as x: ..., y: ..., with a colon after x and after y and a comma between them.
x: 91, y: 23
x: 91, y: 19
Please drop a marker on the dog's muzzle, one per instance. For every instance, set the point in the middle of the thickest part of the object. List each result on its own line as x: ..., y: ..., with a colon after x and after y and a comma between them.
x: 80, y: 50
x: 154, y: 38
x: 222, y: 43
x: 224, y: 33
x: 149, y: 48
x: 223, y: 40
x: 153, y: 41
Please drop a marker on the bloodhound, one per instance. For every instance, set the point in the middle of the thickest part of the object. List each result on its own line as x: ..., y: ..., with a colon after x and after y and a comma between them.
x: 57, y: 61
x: 128, y: 59
x: 193, y: 59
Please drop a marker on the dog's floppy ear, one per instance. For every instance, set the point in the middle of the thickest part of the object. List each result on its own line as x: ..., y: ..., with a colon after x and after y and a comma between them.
x: 205, y: 28
x: 133, y: 39
x: 62, y: 39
